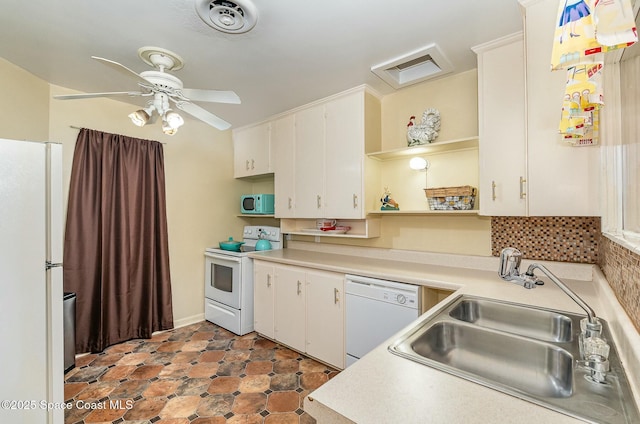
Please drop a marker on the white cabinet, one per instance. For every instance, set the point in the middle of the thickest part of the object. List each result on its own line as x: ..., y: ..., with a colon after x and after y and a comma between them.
x: 251, y: 151
x: 562, y: 180
x: 309, y: 164
x: 344, y: 157
x: 290, y: 306
x: 301, y: 308
x: 502, y: 145
x: 263, y: 298
x: 325, y: 317
x: 282, y: 146
x: 330, y: 165
x: 525, y: 167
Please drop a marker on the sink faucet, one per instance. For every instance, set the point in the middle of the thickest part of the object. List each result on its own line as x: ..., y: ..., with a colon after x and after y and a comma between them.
x: 595, y: 350
x: 510, y: 259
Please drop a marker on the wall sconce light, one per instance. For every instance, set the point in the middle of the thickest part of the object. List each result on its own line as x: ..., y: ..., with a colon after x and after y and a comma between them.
x: 420, y: 164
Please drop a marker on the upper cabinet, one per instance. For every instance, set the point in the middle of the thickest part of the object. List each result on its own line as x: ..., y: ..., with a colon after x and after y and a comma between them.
x: 282, y: 146
x: 318, y: 159
x: 309, y: 164
x: 252, y: 151
x: 330, y: 165
x: 501, y: 112
x: 563, y: 180
x: 321, y: 166
x: 525, y: 167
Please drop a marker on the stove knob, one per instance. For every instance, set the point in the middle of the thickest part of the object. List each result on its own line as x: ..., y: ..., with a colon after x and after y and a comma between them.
x: 402, y: 299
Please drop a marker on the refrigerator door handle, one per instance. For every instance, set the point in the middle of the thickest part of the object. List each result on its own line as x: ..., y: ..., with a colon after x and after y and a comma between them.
x: 48, y: 265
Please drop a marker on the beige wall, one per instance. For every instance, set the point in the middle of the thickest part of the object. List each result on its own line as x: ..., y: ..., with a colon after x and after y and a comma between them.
x: 202, y: 194
x: 24, y: 109
x: 455, y: 97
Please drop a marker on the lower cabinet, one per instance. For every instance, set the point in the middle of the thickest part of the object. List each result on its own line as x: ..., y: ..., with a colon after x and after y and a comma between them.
x: 301, y: 308
x: 325, y: 317
x: 264, y: 301
x: 290, y: 306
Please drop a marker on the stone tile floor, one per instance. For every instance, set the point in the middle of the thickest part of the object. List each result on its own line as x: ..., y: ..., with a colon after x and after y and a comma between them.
x: 200, y: 374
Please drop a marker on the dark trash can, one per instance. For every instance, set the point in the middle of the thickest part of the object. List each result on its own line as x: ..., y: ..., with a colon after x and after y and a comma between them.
x: 69, y: 324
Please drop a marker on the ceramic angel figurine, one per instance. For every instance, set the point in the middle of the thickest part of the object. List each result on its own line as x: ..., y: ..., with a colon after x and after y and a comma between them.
x: 425, y: 132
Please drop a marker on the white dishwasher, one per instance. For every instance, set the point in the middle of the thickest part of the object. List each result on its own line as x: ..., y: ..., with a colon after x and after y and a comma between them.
x: 376, y: 310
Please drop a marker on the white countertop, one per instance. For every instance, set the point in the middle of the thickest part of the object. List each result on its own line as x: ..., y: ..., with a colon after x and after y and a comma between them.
x: 384, y: 388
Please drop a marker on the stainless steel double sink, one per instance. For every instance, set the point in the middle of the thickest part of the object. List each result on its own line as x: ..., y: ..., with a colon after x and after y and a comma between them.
x: 521, y: 350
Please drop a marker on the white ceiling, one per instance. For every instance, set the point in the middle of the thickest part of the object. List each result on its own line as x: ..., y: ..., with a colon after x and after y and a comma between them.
x: 299, y: 50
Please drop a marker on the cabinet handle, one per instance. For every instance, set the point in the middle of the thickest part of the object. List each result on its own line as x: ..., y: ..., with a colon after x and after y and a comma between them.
x: 335, y: 296
x: 252, y: 163
x: 493, y: 191
x: 268, y: 280
x: 299, y: 289
x: 355, y: 201
x: 319, y: 201
x: 290, y: 203
x: 247, y: 165
x: 523, y: 193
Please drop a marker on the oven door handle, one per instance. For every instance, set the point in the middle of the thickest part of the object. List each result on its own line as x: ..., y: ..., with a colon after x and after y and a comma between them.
x: 223, y: 257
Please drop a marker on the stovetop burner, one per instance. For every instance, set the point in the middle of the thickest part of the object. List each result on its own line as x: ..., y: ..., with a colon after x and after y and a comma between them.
x: 251, y: 235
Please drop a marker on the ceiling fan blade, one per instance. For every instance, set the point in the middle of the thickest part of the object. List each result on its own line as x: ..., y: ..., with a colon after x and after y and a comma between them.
x: 203, y: 115
x: 215, y: 96
x: 121, y: 68
x: 92, y: 95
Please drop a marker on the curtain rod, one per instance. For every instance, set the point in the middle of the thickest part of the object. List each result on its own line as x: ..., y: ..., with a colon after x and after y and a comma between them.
x: 79, y: 128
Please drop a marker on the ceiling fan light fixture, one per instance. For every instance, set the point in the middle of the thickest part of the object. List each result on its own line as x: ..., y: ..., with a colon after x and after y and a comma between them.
x: 140, y: 117
x: 168, y: 129
x: 172, y: 119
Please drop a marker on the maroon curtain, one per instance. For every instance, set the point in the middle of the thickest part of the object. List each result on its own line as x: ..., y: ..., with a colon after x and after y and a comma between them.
x: 116, y: 255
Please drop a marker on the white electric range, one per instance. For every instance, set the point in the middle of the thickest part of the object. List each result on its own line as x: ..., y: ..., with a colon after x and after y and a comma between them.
x: 228, y: 281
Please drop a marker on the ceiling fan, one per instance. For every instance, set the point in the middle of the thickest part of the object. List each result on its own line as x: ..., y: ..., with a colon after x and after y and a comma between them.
x: 162, y: 88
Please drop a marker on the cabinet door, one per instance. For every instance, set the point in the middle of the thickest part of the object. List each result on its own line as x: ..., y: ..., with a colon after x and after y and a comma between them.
x: 344, y: 157
x: 325, y: 317
x: 283, y: 146
x: 251, y: 151
x: 290, y: 306
x: 502, y: 151
x: 562, y: 180
x: 263, y: 301
x: 309, y: 163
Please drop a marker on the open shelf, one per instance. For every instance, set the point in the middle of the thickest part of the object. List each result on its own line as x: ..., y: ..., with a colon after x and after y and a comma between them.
x: 424, y: 149
x: 360, y: 228
x: 424, y: 212
x: 254, y: 215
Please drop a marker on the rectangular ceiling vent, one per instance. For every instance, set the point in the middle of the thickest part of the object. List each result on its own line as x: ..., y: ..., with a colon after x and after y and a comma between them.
x: 417, y: 66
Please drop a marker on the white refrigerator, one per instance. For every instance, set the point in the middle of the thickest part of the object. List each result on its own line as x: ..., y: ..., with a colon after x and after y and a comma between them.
x: 31, y: 314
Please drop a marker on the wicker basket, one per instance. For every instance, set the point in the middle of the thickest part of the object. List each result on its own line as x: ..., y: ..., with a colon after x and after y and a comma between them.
x: 451, y: 198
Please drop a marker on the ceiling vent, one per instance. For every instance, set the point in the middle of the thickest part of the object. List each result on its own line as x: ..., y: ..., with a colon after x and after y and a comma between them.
x: 234, y: 17
x: 417, y: 66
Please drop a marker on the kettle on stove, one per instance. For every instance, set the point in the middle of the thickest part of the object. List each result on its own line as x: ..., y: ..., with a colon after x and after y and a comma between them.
x: 262, y: 243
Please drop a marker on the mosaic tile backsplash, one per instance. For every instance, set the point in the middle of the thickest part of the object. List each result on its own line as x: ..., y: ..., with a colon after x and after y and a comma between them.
x: 548, y: 238
x: 621, y: 266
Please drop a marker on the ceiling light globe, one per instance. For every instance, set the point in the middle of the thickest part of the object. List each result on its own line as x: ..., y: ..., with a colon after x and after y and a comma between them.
x: 168, y: 129
x: 139, y: 117
x: 173, y: 120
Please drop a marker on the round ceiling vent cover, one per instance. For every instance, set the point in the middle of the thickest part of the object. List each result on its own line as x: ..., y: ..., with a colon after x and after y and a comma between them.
x: 231, y: 16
